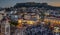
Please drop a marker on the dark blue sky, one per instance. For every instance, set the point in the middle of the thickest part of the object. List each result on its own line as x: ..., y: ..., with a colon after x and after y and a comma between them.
x: 8, y: 3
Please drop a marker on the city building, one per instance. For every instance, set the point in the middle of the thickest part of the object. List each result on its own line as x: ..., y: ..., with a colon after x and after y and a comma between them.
x: 5, y: 27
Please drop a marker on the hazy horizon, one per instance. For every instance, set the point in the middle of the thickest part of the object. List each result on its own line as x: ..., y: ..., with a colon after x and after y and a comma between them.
x: 9, y: 3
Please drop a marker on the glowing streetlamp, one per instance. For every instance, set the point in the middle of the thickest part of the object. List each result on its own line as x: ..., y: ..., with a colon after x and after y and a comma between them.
x: 19, y: 23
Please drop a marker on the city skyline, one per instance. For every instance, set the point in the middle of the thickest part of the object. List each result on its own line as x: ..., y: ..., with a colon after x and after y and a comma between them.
x: 9, y: 3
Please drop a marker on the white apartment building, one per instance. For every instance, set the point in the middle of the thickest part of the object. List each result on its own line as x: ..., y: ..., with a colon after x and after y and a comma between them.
x: 5, y: 28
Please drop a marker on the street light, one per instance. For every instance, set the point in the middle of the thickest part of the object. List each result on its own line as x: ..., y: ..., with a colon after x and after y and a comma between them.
x: 20, y: 23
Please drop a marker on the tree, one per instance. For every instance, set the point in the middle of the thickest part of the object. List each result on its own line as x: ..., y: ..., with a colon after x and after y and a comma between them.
x: 13, y: 23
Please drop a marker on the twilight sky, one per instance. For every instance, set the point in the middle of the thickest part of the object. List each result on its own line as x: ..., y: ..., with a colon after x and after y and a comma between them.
x: 8, y: 3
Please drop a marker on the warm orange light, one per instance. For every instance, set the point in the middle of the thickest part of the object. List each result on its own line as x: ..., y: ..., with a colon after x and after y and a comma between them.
x: 30, y: 22
x: 53, y: 21
x: 19, y: 21
x: 59, y: 22
x: 19, y: 26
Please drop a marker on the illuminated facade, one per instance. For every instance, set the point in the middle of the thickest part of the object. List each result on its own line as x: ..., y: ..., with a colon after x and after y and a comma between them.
x: 53, y: 21
x: 29, y: 19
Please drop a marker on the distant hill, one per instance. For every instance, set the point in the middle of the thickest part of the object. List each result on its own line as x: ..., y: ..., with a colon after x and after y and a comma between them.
x: 40, y: 5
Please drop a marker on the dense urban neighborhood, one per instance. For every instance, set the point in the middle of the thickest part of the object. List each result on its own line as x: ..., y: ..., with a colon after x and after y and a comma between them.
x: 30, y: 19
